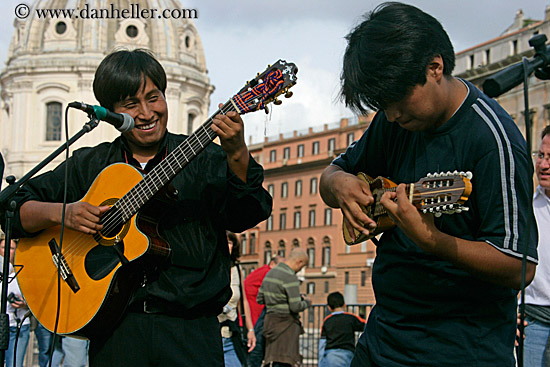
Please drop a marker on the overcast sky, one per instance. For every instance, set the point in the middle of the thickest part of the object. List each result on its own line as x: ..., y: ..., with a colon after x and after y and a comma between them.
x: 241, y: 37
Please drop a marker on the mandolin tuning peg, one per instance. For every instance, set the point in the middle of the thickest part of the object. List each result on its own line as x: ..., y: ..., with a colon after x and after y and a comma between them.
x: 288, y: 94
x: 277, y: 102
x: 266, y: 109
x: 469, y: 175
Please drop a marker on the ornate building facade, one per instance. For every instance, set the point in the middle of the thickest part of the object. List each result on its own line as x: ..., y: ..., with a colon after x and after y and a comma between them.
x: 479, y: 62
x: 51, y: 62
x: 293, y: 165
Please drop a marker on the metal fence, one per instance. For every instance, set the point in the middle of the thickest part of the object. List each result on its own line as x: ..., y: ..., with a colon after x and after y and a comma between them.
x: 312, y: 321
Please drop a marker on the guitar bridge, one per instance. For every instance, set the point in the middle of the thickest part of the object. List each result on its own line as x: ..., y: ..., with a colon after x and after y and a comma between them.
x: 62, y: 266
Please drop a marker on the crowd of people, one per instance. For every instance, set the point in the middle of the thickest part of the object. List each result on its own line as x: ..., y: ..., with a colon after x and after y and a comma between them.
x: 446, y: 287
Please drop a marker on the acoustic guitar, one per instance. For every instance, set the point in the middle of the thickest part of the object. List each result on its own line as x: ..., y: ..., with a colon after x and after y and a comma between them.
x: 438, y: 193
x: 100, y: 272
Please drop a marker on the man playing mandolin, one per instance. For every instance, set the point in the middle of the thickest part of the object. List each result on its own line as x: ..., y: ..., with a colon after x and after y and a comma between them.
x: 445, y: 286
x: 171, y: 319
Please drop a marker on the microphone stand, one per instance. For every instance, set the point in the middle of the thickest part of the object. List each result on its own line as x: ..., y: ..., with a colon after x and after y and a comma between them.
x: 498, y: 84
x: 9, y: 206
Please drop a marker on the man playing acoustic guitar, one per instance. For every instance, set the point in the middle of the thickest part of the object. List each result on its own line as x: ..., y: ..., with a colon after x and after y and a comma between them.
x: 171, y: 319
x: 446, y: 286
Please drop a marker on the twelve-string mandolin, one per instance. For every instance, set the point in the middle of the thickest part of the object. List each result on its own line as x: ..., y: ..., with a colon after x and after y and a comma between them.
x: 437, y: 193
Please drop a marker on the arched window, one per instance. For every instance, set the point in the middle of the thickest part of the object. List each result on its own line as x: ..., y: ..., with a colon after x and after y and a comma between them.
x: 326, y: 251
x: 244, y: 246
x: 253, y: 243
x: 296, y: 242
x: 281, y: 251
x: 267, y: 253
x: 190, y: 120
x: 53, y: 121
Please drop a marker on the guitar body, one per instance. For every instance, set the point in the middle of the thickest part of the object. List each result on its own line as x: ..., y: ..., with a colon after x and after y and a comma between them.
x: 375, y: 212
x: 103, y: 285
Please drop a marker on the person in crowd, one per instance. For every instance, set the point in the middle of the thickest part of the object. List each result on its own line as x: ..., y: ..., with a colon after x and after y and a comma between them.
x: 536, y: 346
x: 16, y: 310
x: 445, y: 286
x: 280, y: 293
x: 252, y: 285
x: 235, y: 354
x: 171, y: 319
x: 337, y: 342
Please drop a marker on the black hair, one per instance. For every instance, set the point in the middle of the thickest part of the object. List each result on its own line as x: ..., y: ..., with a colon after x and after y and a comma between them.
x: 335, y: 300
x: 388, y: 54
x: 545, y: 131
x: 236, y: 250
x: 121, y: 73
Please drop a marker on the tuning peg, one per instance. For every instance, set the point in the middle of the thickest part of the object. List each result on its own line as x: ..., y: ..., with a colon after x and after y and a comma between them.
x: 288, y: 94
x: 469, y: 175
x: 266, y: 109
x: 277, y: 102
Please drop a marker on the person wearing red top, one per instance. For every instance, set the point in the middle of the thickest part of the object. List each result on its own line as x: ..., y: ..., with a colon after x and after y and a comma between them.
x: 252, y: 285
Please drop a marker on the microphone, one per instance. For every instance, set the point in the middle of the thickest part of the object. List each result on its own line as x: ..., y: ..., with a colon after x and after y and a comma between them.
x: 121, y: 121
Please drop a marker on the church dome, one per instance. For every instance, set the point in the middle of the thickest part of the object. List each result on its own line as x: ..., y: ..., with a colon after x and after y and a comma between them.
x: 55, y: 51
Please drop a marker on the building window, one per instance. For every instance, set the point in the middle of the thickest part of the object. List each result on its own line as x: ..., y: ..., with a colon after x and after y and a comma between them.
x: 331, y: 145
x: 267, y: 253
x: 53, y: 121
x: 312, y: 218
x: 310, y: 288
x: 364, y: 246
x: 311, y: 255
x: 298, y: 188
x: 271, y: 189
x: 253, y: 243
x: 190, y: 120
x: 350, y: 138
x: 514, y: 47
x: 326, y: 256
x: 297, y: 220
x: 281, y: 251
x: 363, y: 278
x: 269, y: 223
x: 326, y: 287
x: 286, y: 153
x: 284, y: 189
x: 273, y: 155
x: 315, y: 150
x: 244, y: 248
x: 296, y: 242
x: 346, y: 277
x: 328, y: 216
x: 472, y: 65
x: 282, y: 221
x: 313, y: 185
x: 300, y: 150
x: 487, y: 56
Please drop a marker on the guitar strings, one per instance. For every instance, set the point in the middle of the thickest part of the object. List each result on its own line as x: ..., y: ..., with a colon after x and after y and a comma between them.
x: 82, y: 241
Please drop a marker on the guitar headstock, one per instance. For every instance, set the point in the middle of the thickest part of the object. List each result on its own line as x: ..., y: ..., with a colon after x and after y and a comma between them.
x: 266, y: 87
x: 440, y: 193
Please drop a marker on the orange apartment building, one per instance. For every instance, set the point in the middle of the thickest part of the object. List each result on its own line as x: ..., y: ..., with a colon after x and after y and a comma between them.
x: 293, y: 165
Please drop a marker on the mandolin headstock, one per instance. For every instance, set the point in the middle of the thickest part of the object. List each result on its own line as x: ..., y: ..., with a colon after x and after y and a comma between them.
x: 442, y: 193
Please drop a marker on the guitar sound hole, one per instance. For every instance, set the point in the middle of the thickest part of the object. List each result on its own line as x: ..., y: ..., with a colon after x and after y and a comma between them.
x: 101, y: 260
x: 111, y: 223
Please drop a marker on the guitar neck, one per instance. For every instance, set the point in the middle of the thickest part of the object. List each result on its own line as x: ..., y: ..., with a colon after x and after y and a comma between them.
x: 169, y: 167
